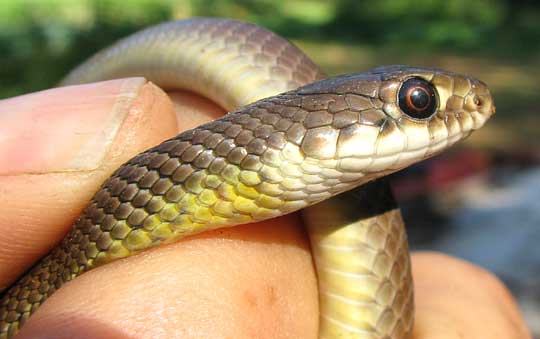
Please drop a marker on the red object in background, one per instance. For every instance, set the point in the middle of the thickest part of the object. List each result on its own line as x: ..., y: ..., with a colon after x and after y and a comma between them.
x: 455, y: 167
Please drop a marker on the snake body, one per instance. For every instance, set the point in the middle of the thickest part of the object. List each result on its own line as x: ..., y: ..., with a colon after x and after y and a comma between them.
x: 276, y: 154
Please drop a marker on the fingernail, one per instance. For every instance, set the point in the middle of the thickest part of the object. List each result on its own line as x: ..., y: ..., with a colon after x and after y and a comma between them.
x: 63, y: 129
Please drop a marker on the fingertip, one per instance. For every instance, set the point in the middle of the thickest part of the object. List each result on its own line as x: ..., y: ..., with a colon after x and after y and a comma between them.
x: 57, y: 147
x: 67, y: 129
x: 453, y: 296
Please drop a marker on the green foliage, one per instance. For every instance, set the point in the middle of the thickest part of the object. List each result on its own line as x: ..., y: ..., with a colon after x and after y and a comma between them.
x: 463, y: 25
x: 41, y: 39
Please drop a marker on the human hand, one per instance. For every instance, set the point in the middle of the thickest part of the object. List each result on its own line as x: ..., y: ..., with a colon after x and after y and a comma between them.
x: 250, y: 281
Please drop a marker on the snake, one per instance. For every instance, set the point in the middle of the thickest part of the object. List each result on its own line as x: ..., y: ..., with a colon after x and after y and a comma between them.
x: 294, y: 140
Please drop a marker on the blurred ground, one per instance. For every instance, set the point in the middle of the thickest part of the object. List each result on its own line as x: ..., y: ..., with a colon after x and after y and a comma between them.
x: 479, y: 202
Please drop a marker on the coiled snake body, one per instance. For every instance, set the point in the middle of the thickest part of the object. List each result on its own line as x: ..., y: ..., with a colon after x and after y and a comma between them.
x: 273, y: 156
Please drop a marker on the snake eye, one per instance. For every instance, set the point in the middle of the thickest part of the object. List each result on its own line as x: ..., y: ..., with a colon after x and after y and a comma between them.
x: 417, y: 98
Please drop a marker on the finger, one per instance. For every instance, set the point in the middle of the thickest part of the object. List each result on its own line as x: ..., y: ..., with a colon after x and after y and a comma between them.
x: 276, y: 253
x: 251, y: 281
x: 455, y: 299
x: 193, y: 110
x: 56, y: 149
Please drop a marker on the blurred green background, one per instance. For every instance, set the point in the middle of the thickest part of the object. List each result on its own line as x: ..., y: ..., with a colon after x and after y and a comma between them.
x: 497, y: 41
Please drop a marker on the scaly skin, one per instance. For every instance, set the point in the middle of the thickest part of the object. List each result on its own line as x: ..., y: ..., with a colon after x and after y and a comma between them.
x: 363, y: 266
x: 272, y: 157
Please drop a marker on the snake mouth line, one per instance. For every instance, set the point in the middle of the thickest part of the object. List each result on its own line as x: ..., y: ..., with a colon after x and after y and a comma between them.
x: 419, y: 152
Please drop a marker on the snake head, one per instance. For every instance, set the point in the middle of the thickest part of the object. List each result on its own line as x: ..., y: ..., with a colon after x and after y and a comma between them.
x: 390, y: 117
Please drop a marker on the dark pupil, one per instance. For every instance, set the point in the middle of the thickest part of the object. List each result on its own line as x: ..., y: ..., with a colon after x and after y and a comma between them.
x: 417, y: 98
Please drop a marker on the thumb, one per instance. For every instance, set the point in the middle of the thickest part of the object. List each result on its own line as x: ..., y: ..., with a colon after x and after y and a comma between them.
x: 57, y: 147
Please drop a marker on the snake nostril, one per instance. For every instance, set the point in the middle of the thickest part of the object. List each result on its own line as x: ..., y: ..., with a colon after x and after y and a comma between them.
x: 478, y: 101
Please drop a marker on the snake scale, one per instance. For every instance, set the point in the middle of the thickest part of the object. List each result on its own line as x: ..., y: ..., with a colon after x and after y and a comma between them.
x: 293, y: 139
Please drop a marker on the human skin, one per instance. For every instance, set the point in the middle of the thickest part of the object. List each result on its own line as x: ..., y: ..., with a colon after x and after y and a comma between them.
x: 250, y: 281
